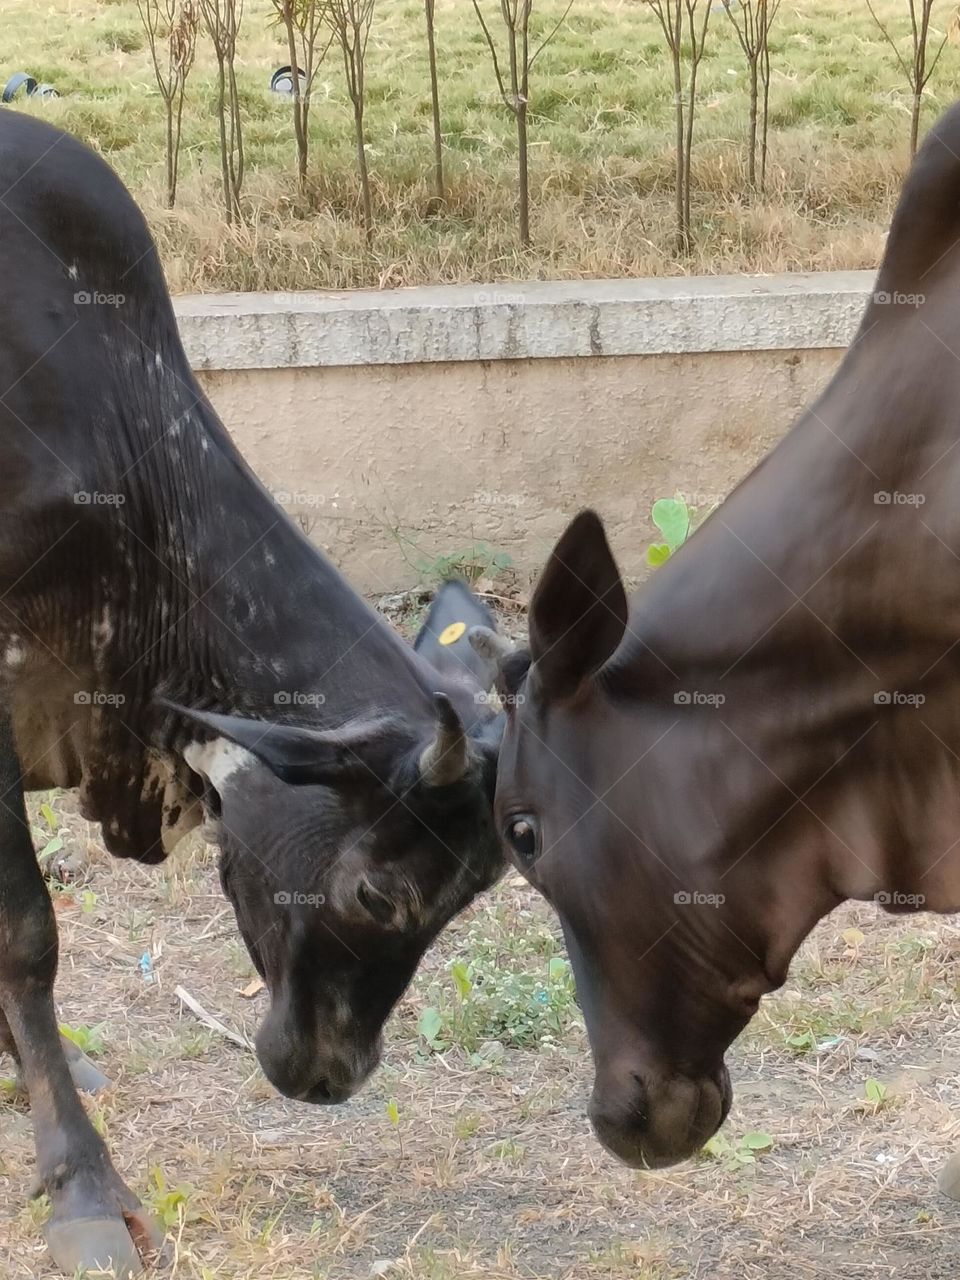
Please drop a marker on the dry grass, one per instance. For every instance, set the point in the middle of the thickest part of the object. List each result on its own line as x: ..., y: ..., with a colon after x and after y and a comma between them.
x: 601, y: 147
x: 492, y: 1172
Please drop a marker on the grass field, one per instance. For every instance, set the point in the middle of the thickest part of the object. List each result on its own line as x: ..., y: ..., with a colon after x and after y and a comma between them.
x: 470, y: 1158
x: 601, y: 130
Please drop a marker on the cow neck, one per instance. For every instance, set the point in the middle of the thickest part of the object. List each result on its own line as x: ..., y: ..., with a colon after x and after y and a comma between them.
x: 261, y: 620
x: 809, y: 630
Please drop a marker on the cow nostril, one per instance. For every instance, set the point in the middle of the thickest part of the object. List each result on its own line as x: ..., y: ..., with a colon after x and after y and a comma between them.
x: 640, y: 1101
x: 326, y: 1093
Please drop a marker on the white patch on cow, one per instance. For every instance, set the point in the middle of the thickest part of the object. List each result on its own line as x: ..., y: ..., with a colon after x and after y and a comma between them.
x: 176, y: 427
x: 103, y: 631
x: 181, y: 811
x: 15, y: 655
x: 204, y: 443
x: 218, y: 760
x: 72, y: 272
x: 158, y: 360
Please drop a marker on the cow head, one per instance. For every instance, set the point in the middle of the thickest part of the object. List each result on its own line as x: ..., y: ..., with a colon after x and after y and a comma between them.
x: 669, y: 949
x: 345, y: 851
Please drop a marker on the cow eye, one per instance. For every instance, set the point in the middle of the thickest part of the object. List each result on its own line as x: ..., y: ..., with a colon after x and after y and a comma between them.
x: 524, y: 837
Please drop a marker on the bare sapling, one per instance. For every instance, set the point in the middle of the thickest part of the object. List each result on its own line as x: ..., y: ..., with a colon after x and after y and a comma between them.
x: 171, y: 30
x: 514, y: 86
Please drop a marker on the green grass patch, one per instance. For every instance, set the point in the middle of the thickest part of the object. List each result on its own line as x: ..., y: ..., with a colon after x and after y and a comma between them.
x: 601, y: 130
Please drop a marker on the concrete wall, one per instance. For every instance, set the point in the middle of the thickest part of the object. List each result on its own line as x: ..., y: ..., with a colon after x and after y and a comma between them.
x: 407, y: 425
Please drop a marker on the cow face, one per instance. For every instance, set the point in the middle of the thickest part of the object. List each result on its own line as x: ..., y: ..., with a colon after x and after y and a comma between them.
x: 670, y: 963
x: 344, y: 853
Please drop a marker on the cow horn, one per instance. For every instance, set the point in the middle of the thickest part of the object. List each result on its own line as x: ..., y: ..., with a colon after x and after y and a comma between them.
x: 490, y: 644
x: 445, y: 760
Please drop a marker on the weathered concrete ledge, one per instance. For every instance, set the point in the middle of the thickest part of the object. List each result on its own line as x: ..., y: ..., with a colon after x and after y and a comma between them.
x: 405, y: 425
x: 523, y: 321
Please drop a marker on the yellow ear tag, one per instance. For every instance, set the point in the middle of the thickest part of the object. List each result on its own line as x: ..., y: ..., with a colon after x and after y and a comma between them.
x: 451, y: 634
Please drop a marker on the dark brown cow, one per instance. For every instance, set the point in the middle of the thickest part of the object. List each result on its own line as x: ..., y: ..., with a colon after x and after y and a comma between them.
x: 773, y: 724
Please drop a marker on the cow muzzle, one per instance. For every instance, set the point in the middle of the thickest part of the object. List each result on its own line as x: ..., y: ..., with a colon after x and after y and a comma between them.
x: 321, y: 1073
x: 649, y: 1120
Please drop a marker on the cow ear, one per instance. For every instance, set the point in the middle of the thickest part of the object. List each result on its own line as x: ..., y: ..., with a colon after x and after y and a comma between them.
x: 297, y: 756
x: 444, y: 638
x: 579, y: 609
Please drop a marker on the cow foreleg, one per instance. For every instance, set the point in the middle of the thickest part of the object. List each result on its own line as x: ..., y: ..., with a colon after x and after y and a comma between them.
x: 96, y: 1221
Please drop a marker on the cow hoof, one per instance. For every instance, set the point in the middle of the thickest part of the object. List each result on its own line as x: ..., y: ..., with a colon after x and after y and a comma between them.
x: 85, y: 1075
x: 88, y: 1077
x: 120, y: 1248
x: 948, y: 1180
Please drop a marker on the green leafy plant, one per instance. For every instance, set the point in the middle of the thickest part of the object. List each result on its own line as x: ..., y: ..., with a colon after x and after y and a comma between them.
x: 47, y: 836
x: 875, y: 1093
x: 170, y: 1204
x: 9, y: 1088
x: 672, y: 518
x: 487, y: 1005
x: 88, y: 1040
x: 470, y: 563
x: 739, y: 1152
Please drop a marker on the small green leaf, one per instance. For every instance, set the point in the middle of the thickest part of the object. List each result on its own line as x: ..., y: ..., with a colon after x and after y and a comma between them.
x: 393, y: 1112
x: 558, y: 968
x: 430, y: 1025
x: 875, y: 1091
x: 802, y: 1041
x: 51, y: 847
x: 658, y: 553
x: 756, y: 1141
x: 461, y: 978
x: 49, y: 817
x: 672, y: 518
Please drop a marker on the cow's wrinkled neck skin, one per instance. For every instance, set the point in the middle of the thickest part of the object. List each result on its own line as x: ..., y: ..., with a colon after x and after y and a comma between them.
x: 266, y: 653
x: 182, y: 567
x: 801, y: 653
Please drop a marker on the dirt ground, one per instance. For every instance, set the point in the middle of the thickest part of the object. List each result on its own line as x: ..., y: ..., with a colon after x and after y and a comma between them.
x: 469, y: 1154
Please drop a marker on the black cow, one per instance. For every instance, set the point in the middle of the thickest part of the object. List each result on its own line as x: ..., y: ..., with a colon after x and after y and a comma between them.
x: 173, y: 645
